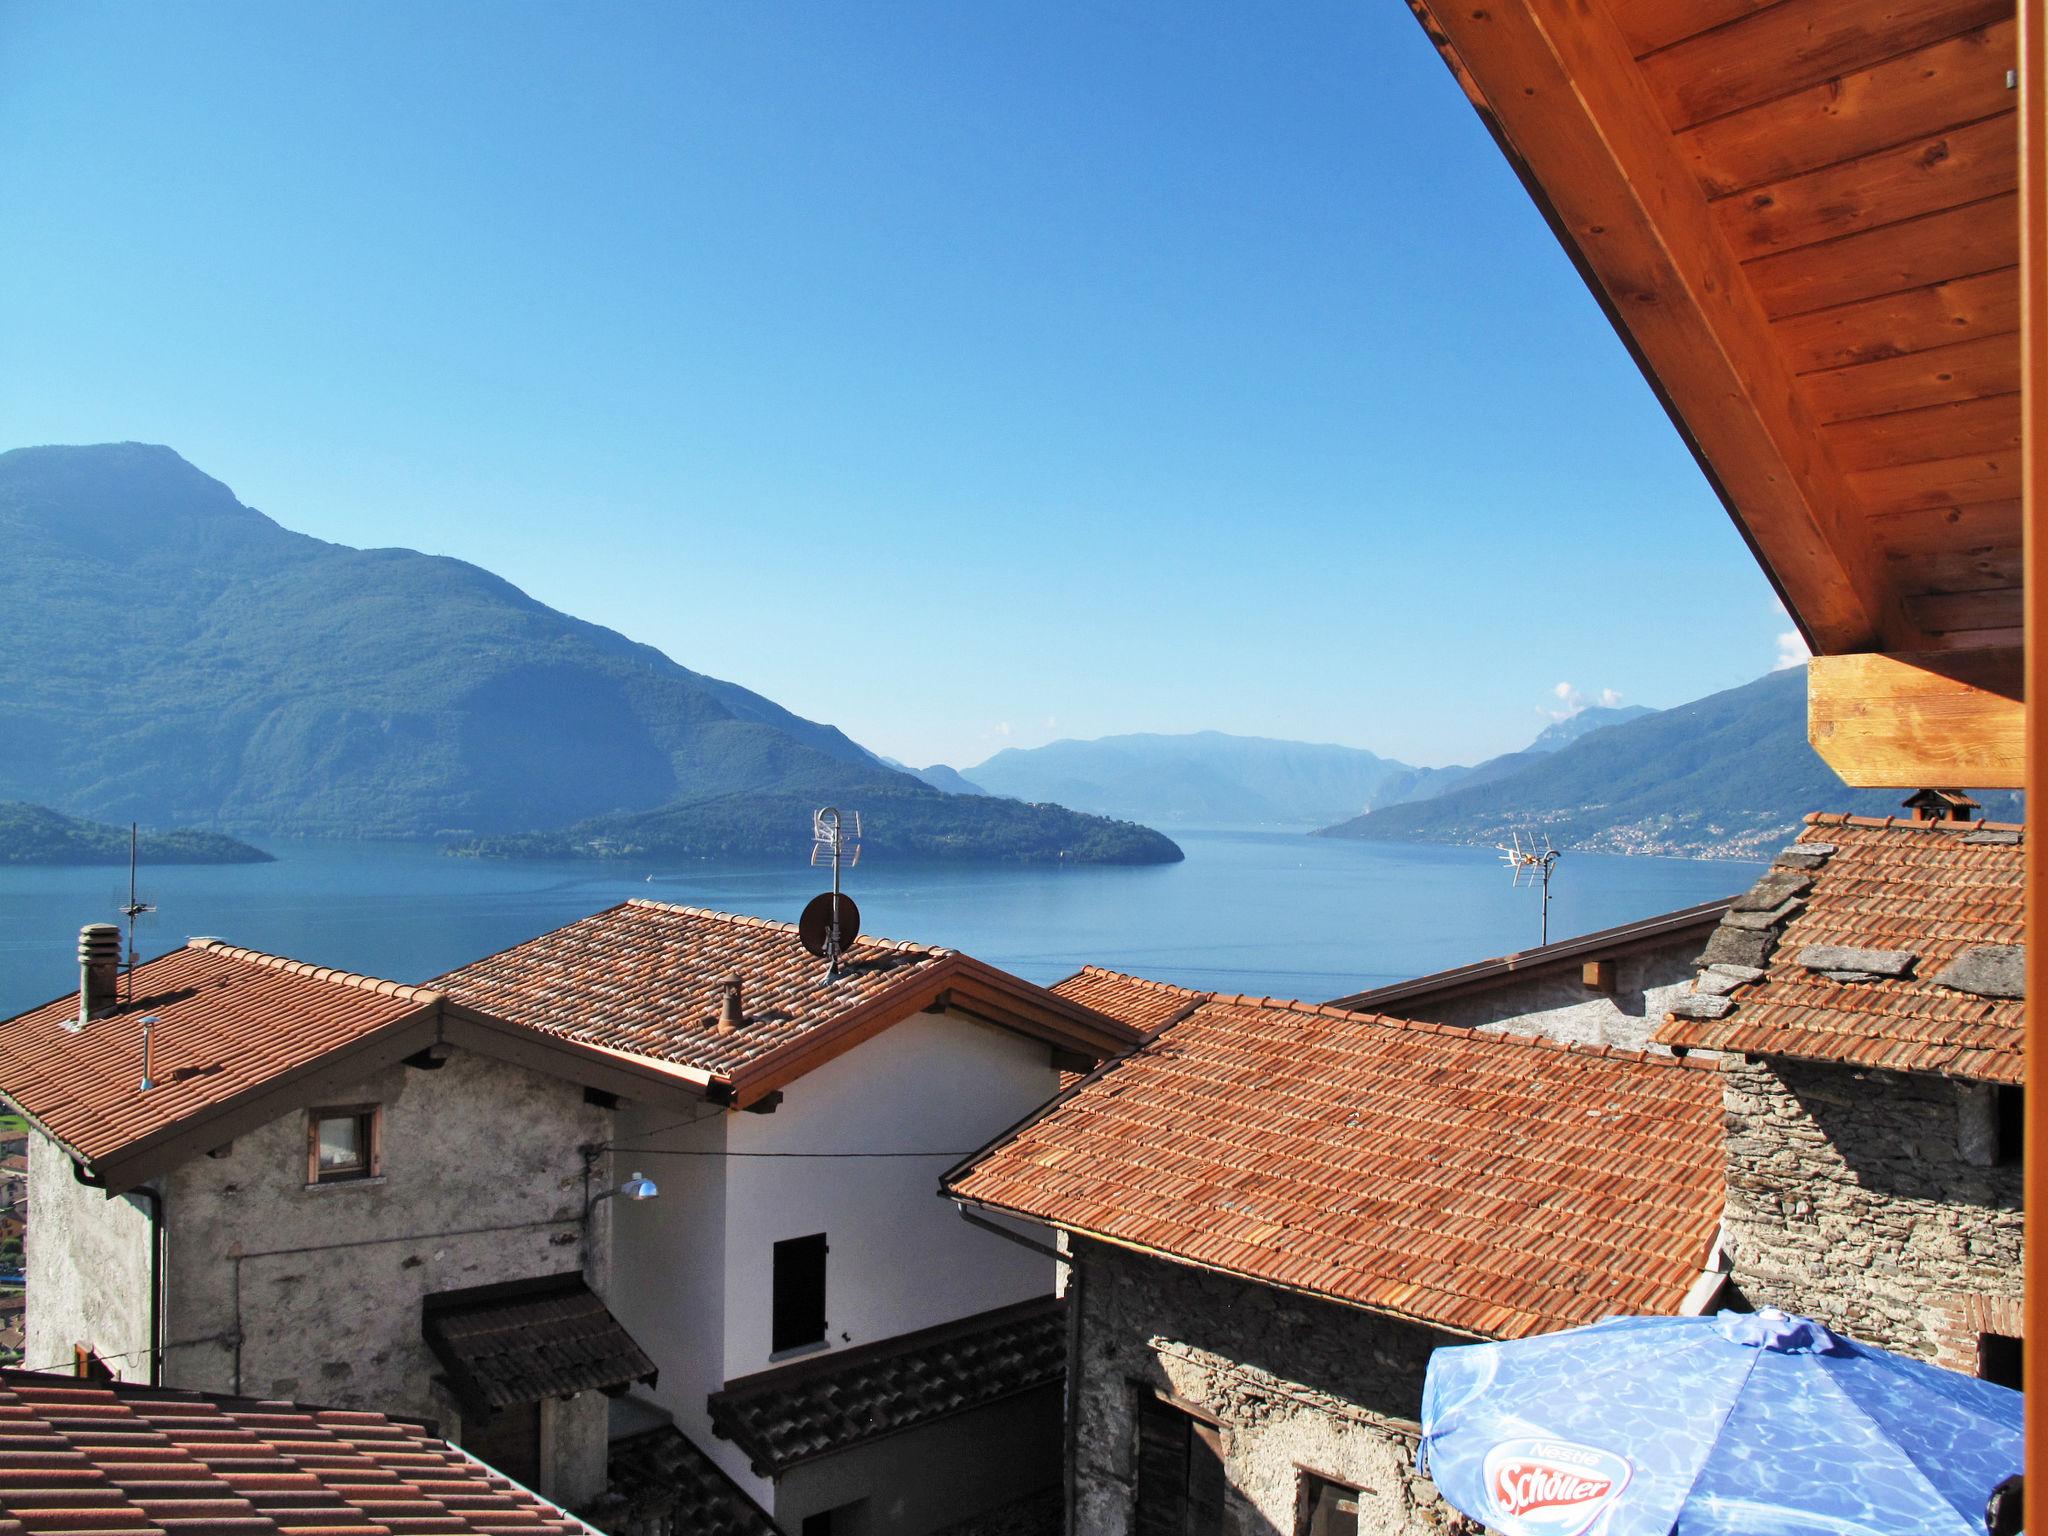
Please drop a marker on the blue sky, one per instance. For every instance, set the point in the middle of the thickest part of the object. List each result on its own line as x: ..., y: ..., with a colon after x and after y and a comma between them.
x: 967, y: 375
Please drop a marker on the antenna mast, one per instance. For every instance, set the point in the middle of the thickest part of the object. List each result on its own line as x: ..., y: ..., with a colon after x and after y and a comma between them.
x: 1527, y: 866
x: 830, y: 840
x: 135, y: 908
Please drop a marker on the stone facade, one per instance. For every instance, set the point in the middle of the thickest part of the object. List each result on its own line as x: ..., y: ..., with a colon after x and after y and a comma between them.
x: 277, y: 1288
x: 1559, y: 1005
x: 1295, y: 1384
x: 1872, y: 1201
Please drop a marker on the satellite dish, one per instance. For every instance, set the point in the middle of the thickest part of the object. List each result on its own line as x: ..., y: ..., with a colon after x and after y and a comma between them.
x: 815, y: 926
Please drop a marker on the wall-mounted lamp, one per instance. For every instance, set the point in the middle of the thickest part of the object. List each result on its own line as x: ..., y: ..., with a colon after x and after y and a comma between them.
x: 638, y: 1187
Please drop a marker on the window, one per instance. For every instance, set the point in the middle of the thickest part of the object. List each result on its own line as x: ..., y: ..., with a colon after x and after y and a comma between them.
x: 341, y: 1143
x: 1180, y: 1472
x: 86, y: 1365
x: 799, y: 1301
x: 2010, y: 1109
x: 1999, y: 1357
x: 1328, y: 1508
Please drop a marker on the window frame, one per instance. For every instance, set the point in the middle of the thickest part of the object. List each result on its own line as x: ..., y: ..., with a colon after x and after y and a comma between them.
x: 1307, y: 1482
x: 370, y: 1123
x: 781, y: 1345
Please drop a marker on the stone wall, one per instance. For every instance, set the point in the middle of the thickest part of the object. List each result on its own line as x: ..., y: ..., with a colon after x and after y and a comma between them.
x: 313, y: 1292
x: 1297, y: 1385
x: 88, y: 1269
x: 1559, y: 1005
x: 1862, y: 1198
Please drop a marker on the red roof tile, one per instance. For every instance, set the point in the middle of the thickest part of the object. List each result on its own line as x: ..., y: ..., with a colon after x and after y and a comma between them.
x: 1934, y: 888
x: 645, y: 978
x: 80, y: 1457
x: 1495, y: 1184
x: 228, y: 1021
x: 1142, y: 1004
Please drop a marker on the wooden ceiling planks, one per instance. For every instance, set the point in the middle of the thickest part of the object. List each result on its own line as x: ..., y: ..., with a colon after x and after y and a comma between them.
x: 1832, y: 216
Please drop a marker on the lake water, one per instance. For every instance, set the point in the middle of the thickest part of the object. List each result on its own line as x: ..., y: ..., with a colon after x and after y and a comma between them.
x: 1270, y: 913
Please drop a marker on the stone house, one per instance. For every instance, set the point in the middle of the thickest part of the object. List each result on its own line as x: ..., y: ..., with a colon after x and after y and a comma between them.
x: 1274, y: 1211
x: 1868, y: 995
x: 1612, y: 987
x: 843, y: 1349
x: 257, y: 1177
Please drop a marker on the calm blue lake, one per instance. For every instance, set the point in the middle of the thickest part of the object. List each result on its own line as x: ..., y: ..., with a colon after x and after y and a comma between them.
x: 1273, y: 913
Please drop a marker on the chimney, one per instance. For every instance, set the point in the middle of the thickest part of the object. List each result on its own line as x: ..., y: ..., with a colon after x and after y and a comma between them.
x: 1941, y: 805
x: 99, y: 970
x: 730, y: 1017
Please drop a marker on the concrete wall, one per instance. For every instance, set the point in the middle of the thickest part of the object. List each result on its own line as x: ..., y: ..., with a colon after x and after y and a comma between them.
x: 88, y: 1269
x: 1859, y: 1197
x: 1297, y: 1385
x: 314, y: 1291
x: 901, y: 1259
x: 1561, y: 1006
x: 668, y: 1264
x: 908, y: 1485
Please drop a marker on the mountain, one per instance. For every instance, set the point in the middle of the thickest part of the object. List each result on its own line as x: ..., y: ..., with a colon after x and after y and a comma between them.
x: 1205, y: 778
x: 35, y: 834
x: 1428, y: 783
x: 1594, y: 717
x: 908, y: 823
x: 1730, y: 775
x: 175, y: 657
x: 945, y: 780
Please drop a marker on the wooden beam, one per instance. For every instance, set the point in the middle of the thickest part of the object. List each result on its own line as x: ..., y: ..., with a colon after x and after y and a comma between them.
x: 1946, y: 719
x: 2034, y: 490
x: 1556, y: 82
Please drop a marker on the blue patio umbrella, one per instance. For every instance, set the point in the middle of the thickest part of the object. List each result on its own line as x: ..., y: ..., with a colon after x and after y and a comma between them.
x: 1740, y: 1424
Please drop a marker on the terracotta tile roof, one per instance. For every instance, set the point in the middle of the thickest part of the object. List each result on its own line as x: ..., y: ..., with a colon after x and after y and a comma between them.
x: 661, y: 1481
x: 1142, y: 1004
x: 1935, y: 889
x: 795, y: 1413
x: 229, y: 1021
x: 1495, y: 1184
x: 645, y: 979
x: 81, y: 1457
x: 525, y: 1340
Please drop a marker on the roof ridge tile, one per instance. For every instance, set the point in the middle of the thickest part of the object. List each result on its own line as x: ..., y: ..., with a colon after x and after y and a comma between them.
x: 1908, y: 823
x: 382, y: 986
x: 748, y: 920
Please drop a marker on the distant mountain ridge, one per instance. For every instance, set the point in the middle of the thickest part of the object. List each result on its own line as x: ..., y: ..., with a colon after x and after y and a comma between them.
x: 1211, y: 778
x: 1204, y: 778
x: 176, y: 657
x: 1730, y: 776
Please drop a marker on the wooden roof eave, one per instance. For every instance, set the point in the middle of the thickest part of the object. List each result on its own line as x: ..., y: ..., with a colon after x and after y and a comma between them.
x: 1557, y: 86
x: 1007, y: 1001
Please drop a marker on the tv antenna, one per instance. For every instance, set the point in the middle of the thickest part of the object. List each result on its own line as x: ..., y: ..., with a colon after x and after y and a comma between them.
x: 1531, y: 866
x: 831, y: 922
x: 135, y: 906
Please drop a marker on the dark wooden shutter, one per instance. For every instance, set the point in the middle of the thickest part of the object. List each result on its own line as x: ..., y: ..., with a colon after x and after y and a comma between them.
x: 799, y: 1302
x: 1180, y: 1473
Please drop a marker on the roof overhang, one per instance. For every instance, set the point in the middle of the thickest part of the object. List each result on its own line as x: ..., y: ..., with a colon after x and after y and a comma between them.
x: 1485, y: 975
x: 1802, y: 224
x: 953, y: 982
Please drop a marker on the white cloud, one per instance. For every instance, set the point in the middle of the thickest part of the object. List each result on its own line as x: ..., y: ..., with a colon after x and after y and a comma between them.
x: 1000, y: 731
x: 1571, y: 699
x: 1792, y: 651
